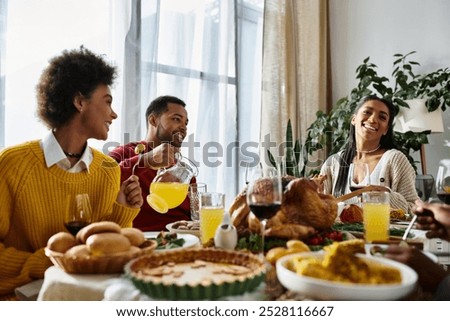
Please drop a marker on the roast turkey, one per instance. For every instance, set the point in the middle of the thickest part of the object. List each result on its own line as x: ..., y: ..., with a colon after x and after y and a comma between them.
x: 303, y: 211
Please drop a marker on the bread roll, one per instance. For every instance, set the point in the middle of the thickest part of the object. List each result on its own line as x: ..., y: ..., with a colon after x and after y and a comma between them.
x: 79, y: 251
x: 107, y: 243
x: 134, y: 235
x: 97, y: 227
x: 134, y: 250
x: 61, y: 242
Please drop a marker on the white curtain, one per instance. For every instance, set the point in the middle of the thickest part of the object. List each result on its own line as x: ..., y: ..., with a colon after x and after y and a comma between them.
x: 294, y: 68
x: 39, y: 30
x: 3, y: 16
x: 206, y: 52
x: 189, y: 49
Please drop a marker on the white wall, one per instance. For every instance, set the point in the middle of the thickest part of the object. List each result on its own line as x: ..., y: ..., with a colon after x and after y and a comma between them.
x: 379, y: 29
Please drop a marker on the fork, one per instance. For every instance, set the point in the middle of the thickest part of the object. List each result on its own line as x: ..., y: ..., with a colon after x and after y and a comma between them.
x: 378, y: 250
x: 137, y: 163
x: 403, y: 242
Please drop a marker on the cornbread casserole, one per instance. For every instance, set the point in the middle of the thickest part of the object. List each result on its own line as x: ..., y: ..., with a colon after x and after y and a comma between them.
x: 340, y: 264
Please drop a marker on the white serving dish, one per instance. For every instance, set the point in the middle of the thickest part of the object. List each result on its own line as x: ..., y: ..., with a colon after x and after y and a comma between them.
x: 179, y: 231
x: 329, y: 290
x: 189, y: 240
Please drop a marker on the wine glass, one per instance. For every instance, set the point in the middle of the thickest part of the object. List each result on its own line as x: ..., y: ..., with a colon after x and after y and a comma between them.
x: 358, y: 176
x: 78, y: 213
x: 443, y: 182
x: 264, y: 196
x: 247, y: 173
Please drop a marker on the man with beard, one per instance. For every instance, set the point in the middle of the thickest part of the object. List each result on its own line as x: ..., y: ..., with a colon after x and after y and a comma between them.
x: 166, y: 129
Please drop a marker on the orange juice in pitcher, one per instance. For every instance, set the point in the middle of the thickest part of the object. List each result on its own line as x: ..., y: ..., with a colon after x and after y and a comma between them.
x: 170, y: 186
x: 166, y: 195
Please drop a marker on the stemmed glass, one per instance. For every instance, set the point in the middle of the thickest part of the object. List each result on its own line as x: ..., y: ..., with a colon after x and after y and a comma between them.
x: 78, y: 213
x: 247, y: 173
x: 264, y: 196
x: 358, y: 176
x: 443, y: 183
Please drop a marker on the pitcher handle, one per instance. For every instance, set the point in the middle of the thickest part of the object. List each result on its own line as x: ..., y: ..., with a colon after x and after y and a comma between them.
x: 194, y: 167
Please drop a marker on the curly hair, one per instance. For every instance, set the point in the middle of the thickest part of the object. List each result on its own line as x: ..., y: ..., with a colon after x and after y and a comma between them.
x: 78, y: 71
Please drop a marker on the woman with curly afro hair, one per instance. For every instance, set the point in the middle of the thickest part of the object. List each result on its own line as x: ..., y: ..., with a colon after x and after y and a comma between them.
x: 75, y: 102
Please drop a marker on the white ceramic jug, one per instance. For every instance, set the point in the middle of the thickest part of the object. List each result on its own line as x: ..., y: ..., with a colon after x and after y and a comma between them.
x: 226, y: 234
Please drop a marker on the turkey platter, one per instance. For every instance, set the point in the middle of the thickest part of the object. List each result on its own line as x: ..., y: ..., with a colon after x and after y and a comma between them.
x: 303, y: 212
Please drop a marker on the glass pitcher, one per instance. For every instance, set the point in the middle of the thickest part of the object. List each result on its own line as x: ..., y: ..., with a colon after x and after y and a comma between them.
x: 170, y: 186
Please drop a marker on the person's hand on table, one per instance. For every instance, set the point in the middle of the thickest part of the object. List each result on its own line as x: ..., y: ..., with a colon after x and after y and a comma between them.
x: 429, y: 272
x: 435, y: 218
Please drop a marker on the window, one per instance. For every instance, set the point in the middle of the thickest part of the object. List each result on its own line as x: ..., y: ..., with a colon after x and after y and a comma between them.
x: 209, y: 54
x: 206, y: 52
x: 35, y: 32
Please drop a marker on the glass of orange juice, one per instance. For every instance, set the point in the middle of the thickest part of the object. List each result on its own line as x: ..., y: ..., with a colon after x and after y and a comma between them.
x: 212, y: 208
x: 376, y: 216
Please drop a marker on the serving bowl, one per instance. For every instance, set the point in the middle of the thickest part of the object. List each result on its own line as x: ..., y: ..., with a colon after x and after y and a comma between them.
x: 316, y: 288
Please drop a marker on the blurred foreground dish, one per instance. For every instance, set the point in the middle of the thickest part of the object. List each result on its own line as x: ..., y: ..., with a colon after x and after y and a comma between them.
x: 342, y: 272
x: 339, y: 263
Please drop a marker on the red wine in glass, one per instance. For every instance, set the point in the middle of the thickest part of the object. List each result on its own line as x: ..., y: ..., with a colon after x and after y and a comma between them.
x: 355, y: 188
x: 74, y: 226
x: 79, y: 213
x: 443, y: 183
x: 444, y: 197
x: 265, y: 211
x: 264, y: 196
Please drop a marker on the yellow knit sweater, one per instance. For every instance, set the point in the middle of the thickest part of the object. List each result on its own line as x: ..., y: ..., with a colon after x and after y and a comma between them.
x: 32, y: 202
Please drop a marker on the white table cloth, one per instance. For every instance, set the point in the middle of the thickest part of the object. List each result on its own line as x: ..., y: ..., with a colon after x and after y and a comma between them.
x: 61, y: 286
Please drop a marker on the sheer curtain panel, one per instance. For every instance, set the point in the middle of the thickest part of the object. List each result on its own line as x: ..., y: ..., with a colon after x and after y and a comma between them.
x: 294, y: 72
x: 192, y: 50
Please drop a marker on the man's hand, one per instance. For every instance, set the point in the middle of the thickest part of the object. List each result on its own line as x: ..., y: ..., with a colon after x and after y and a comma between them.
x: 161, y: 156
x: 430, y: 273
x: 435, y: 218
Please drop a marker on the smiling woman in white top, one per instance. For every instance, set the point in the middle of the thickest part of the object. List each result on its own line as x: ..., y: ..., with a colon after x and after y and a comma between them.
x: 371, y: 141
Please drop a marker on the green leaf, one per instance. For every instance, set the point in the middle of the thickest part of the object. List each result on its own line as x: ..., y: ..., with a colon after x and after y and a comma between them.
x: 271, y: 159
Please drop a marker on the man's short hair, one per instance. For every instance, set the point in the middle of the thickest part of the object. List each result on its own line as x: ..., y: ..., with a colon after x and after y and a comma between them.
x: 159, y: 105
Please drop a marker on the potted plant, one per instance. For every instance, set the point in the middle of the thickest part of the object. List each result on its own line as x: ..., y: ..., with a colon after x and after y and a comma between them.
x: 292, y: 155
x: 331, y: 130
x: 434, y: 86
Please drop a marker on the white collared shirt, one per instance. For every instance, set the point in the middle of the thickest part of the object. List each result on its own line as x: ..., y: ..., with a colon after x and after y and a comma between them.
x: 54, y: 154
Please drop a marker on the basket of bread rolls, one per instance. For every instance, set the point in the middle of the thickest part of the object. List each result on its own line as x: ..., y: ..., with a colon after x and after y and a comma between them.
x: 100, y: 247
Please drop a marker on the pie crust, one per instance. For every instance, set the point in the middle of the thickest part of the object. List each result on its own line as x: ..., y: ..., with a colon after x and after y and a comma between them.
x: 196, y: 274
